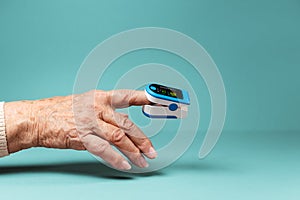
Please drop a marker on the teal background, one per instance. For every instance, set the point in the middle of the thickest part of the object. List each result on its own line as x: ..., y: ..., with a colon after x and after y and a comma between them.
x: 256, y: 46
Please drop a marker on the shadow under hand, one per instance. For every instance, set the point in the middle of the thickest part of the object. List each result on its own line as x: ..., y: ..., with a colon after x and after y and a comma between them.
x: 94, y: 169
x: 204, y: 167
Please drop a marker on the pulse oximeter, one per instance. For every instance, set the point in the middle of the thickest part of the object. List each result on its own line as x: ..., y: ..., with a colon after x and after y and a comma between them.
x: 167, y: 102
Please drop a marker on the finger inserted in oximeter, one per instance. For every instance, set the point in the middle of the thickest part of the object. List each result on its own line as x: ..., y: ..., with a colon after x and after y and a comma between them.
x: 168, y: 102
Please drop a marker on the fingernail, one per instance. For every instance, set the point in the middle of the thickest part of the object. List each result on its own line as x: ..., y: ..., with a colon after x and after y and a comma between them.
x: 143, y: 162
x: 152, y: 153
x: 126, y: 165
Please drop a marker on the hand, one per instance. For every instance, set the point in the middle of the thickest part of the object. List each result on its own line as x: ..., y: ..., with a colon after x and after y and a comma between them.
x: 82, y: 122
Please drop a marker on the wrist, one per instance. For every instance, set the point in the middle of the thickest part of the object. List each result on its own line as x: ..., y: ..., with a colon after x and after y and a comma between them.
x: 19, y: 126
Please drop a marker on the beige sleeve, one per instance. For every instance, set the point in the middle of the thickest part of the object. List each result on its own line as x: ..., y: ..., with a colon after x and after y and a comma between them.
x: 3, y: 141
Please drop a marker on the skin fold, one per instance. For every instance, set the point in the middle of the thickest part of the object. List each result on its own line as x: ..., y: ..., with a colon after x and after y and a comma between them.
x: 85, y: 121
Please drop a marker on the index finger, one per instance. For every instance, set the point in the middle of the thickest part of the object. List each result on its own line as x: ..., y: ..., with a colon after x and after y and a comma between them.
x: 126, y: 98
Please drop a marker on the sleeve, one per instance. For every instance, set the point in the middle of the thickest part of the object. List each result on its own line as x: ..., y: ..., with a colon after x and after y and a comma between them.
x: 3, y: 141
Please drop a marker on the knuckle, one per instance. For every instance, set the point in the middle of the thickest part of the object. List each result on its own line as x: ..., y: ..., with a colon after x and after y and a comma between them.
x: 101, y: 148
x: 99, y: 95
x: 105, y: 96
x: 117, y: 136
x: 108, y: 115
x: 127, y: 124
x: 105, y: 113
x: 101, y: 114
x: 145, y: 143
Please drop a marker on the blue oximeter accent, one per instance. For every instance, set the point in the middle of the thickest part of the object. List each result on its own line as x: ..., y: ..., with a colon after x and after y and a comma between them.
x: 173, y: 107
x: 168, y: 93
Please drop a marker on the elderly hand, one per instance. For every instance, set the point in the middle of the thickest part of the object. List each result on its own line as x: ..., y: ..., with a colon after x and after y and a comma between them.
x: 82, y: 122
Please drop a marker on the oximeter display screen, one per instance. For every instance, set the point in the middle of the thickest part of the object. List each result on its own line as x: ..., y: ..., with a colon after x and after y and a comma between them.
x: 166, y: 91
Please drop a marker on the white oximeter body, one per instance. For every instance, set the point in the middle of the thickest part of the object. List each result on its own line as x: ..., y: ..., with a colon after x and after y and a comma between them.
x: 167, y: 102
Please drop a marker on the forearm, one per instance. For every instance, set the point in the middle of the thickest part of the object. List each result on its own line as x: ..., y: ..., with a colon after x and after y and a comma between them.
x: 41, y: 123
x: 19, y: 122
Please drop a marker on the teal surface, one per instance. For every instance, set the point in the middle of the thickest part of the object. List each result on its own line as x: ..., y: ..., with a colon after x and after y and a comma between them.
x: 256, y: 46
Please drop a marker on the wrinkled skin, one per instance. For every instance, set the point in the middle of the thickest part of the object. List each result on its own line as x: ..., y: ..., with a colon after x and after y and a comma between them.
x: 82, y: 122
